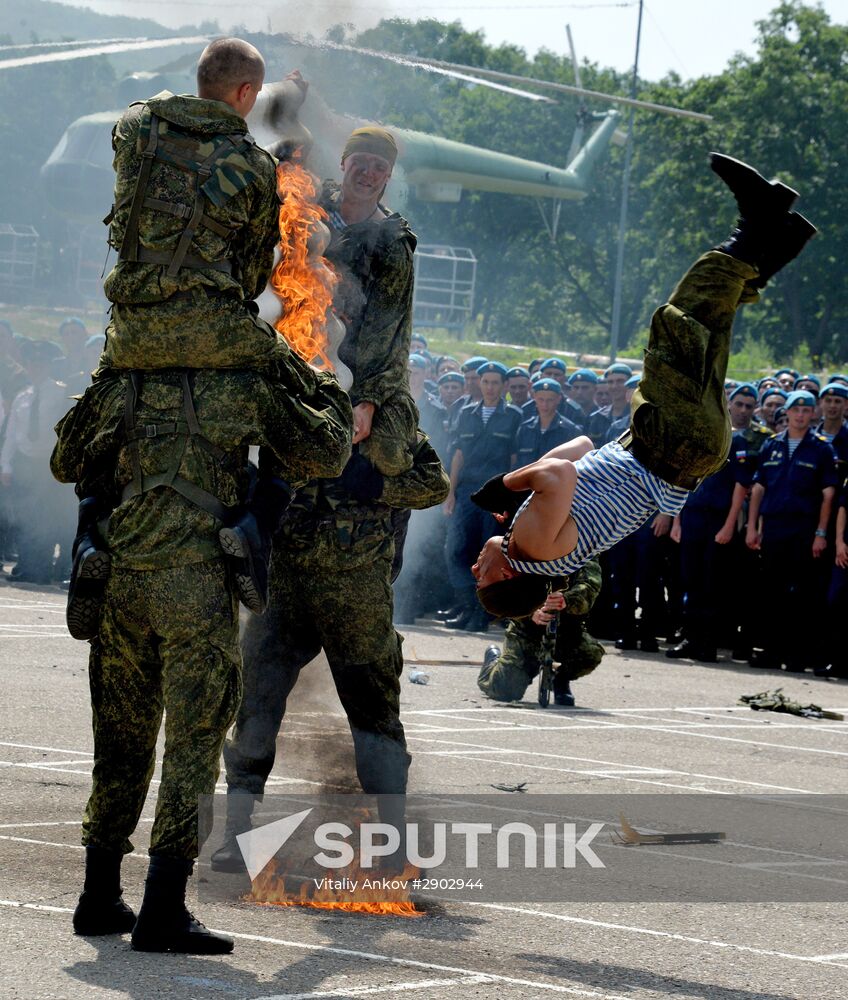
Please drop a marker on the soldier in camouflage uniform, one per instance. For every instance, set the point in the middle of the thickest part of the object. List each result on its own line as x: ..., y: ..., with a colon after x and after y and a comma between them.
x: 505, y: 676
x: 330, y: 590
x: 371, y: 249
x: 195, y: 222
x: 168, y: 634
x: 169, y: 451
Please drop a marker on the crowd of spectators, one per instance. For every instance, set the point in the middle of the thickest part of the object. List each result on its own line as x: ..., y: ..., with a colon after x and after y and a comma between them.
x: 758, y: 554
x: 37, y: 514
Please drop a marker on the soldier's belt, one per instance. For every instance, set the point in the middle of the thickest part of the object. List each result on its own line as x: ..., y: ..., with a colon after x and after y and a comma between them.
x: 145, y: 256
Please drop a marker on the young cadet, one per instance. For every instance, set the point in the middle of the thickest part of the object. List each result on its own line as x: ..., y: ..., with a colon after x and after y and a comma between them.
x: 548, y: 428
x: 483, y: 446
x: 518, y: 385
x: 582, y: 503
x: 793, y: 494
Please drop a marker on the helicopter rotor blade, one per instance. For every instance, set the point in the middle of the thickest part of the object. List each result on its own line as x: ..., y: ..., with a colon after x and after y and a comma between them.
x: 577, y: 138
x: 466, y: 73
x: 564, y: 88
x: 102, y: 49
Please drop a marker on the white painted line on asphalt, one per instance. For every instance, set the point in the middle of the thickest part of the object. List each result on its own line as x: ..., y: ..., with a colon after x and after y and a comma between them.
x: 371, y: 957
x: 838, y: 957
x: 48, y: 765
x: 36, y: 767
x: 604, y: 765
x: 30, y: 746
x: 25, y: 625
x: 38, y: 635
x: 56, y: 843
x: 361, y: 991
x: 650, y: 932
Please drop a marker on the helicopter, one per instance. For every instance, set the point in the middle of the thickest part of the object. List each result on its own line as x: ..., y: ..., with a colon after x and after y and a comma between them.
x: 77, y: 175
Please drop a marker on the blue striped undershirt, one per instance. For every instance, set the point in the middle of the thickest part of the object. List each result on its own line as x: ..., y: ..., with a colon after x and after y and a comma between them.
x: 614, y: 496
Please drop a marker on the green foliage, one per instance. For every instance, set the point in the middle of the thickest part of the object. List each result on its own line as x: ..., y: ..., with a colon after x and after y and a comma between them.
x: 785, y: 109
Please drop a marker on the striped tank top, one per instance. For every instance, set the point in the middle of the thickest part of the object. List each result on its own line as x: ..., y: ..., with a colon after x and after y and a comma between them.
x: 613, y: 497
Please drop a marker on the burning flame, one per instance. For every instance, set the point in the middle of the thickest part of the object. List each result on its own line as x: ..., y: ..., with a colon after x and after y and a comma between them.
x: 274, y: 888
x: 304, y: 286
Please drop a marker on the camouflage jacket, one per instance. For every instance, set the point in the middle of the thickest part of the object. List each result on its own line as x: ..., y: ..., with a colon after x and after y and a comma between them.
x: 306, y: 423
x: 240, y: 195
x: 374, y: 299
x: 326, y: 502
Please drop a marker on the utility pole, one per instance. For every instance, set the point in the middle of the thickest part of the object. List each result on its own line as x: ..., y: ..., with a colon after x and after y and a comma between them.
x: 625, y: 191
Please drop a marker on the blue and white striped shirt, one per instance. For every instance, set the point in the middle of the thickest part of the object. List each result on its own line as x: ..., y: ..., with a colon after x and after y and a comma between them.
x: 614, y: 495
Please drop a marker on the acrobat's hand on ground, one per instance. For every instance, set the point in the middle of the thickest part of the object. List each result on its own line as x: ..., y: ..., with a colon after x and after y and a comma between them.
x: 497, y: 498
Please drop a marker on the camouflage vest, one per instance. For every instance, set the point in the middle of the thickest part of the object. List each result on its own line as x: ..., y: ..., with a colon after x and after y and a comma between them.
x: 193, y: 171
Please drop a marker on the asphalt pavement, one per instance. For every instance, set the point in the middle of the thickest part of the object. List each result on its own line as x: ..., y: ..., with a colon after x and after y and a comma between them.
x: 643, y: 724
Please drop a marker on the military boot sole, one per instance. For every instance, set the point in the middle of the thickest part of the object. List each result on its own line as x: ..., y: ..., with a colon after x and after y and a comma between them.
x: 97, y: 918
x: 86, y: 592
x: 755, y: 196
x: 183, y: 942
x: 236, y: 546
x: 227, y: 858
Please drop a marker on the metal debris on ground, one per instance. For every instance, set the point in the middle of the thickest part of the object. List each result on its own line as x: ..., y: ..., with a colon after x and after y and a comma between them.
x: 776, y: 701
x: 521, y: 787
x: 632, y: 837
x: 419, y: 677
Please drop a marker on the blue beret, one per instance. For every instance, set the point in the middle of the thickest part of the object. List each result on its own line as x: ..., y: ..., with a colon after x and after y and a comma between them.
x: 472, y: 364
x: 834, y: 389
x: 72, y: 321
x: 517, y: 371
x: 583, y: 375
x: 96, y: 340
x: 799, y: 397
x: 418, y: 361
x: 547, y: 385
x: 838, y: 377
x: 451, y: 377
x: 492, y: 368
x: 744, y: 389
x: 557, y: 363
x: 619, y: 368
x: 633, y: 381
x: 774, y: 391
x: 786, y: 371
x: 419, y: 336
x: 535, y: 377
x: 811, y: 378
x: 730, y: 383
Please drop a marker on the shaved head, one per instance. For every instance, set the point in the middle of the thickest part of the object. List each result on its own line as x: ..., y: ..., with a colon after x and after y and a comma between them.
x: 227, y: 64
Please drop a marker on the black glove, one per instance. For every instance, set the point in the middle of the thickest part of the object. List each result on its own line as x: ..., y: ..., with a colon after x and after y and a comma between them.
x: 361, y: 479
x: 499, y: 499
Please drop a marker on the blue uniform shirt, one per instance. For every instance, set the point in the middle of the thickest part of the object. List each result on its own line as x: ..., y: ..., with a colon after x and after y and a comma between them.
x: 716, y: 491
x: 793, y: 487
x: 486, y: 448
x: 532, y: 442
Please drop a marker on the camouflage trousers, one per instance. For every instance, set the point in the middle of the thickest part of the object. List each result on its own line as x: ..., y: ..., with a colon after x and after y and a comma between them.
x: 680, y: 427
x: 509, y: 676
x: 329, y: 591
x: 190, y: 330
x: 168, y: 643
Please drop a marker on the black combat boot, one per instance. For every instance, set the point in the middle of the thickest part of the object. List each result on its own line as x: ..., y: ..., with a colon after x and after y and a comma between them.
x: 767, y: 235
x: 100, y: 909
x: 228, y: 857
x: 562, y: 693
x: 90, y: 571
x: 468, y: 604
x: 247, y: 543
x: 164, y: 923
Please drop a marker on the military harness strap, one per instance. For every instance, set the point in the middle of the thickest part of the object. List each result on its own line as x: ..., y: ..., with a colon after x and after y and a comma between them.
x: 181, y: 152
x: 187, y: 430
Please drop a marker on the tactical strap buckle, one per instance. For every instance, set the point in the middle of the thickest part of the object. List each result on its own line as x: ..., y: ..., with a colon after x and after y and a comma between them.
x: 151, y: 430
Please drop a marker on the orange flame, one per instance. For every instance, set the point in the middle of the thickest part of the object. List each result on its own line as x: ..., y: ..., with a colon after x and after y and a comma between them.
x: 304, y: 286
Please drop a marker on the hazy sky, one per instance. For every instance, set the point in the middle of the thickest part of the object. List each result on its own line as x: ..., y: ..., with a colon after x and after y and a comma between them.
x: 691, y: 37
